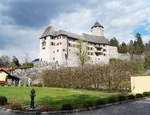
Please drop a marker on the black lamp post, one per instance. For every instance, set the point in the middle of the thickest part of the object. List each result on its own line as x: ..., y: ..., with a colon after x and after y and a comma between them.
x: 32, y: 95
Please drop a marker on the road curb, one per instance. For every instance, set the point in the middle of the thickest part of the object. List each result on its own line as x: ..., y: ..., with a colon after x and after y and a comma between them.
x: 70, y: 111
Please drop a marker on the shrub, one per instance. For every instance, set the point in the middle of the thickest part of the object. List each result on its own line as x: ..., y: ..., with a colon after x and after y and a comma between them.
x: 146, y: 94
x: 45, y: 108
x: 16, y: 106
x: 91, y: 77
x: 122, y: 97
x: 147, y: 62
x: 138, y: 95
x: 101, y: 101
x: 114, y: 60
x: 112, y: 99
x: 37, y: 85
x: 26, y: 66
x: 131, y: 96
x: 3, y: 100
x: 67, y: 107
x: 87, y: 104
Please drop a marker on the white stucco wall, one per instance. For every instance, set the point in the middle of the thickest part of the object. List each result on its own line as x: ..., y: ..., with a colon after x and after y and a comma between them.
x: 98, y: 31
x: 113, y: 52
x: 45, y: 53
x: 3, y: 76
x: 52, y: 55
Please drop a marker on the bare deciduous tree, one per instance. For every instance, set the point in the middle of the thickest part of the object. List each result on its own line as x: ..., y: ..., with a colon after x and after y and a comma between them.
x: 5, y: 61
x: 82, y: 52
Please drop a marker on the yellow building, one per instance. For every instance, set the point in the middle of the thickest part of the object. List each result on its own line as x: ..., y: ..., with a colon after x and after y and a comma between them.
x: 7, y: 79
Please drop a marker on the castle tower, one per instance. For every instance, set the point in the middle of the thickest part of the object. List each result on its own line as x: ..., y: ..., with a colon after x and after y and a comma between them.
x: 97, y: 29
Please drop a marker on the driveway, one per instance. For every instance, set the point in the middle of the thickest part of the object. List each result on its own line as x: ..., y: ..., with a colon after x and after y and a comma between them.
x: 141, y: 107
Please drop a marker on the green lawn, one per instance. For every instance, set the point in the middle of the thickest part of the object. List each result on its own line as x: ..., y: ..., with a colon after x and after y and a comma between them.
x: 53, y: 96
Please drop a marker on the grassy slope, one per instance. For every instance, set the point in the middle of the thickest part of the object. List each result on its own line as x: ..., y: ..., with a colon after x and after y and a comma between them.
x: 53, y: 96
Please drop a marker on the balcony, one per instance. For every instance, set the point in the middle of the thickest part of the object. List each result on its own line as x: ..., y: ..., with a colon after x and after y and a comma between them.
x: 98, y: 53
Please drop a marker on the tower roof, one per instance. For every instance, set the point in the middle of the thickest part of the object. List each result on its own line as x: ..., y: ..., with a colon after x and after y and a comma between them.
x: 97, y: 24
x: 48, y: 31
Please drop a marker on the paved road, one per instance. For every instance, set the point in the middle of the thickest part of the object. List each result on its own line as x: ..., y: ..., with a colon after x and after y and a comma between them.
x: 133, y: 108
x: 141, y: 107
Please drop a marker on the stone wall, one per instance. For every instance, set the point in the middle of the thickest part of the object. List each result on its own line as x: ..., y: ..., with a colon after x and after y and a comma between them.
x: 26, y: 75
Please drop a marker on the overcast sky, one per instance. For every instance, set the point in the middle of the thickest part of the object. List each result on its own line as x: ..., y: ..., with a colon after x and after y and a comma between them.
x: 23, y: 21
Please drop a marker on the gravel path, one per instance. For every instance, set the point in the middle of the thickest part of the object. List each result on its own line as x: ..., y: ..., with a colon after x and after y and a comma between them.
x: 141, y: 107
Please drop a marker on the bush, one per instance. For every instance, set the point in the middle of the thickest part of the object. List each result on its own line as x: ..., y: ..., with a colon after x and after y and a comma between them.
x: 16, y: 106
x: 3, y: 100
x: 26, y: 66
x: 87, y: 104
x: 92, y: 76
x: 67, y: 107
x: 146, y: 93
x: 122, y: 97
x: 37, y: 85
x: 131, y: 96
x: 138, y: 95
x: 45, y: 108
x: 112, y: 99
x: 101, y: 101
x: 114, y: 60
x: 147, y: 62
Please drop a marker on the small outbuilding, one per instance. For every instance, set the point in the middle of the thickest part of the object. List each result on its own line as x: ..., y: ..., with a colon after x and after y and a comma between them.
x: 7, y: 79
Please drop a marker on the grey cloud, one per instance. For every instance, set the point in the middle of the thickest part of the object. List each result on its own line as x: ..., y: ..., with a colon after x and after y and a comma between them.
x: 36, y: 13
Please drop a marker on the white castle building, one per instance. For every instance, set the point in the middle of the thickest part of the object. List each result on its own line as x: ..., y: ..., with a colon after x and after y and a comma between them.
x: 60, y: 46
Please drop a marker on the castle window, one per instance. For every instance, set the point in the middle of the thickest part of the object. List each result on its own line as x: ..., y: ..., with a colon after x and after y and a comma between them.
x: 69, y: 44
x: 104, y: 54
x: 43, y: 44
x: 53, y: 58
x: 104, y: 50
x: 57, y: 50
x: 53, y: 51
x: 52, y: 43
x: 63, y: 50
x: 104, y: 45
x: 60, y: 43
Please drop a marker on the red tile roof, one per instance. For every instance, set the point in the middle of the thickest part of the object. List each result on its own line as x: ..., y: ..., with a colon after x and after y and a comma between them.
x: 5, y: 69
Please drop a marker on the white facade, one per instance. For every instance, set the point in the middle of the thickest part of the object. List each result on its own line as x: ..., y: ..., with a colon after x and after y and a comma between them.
x: 60, y: 47
x: 97, y: 31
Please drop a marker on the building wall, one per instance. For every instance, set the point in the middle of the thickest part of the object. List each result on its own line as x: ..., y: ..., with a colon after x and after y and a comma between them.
x: 124, y: 56
x: 64, y: 54
x: 97, y: 31
x: 45, y: 50
x: 140, y: 84
x: 3, y: 76
x: 113, y: 52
